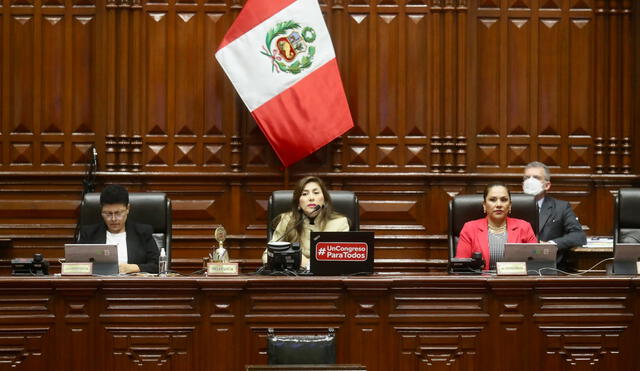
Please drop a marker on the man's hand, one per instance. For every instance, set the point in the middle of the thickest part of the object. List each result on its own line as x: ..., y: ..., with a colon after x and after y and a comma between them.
x: 128, y: 268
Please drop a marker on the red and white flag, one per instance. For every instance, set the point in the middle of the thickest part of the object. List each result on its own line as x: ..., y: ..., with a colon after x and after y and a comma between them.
x: 279, y: 57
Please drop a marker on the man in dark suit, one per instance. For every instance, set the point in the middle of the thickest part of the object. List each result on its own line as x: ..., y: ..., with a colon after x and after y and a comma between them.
x: 137, y: 250
x: 557, y: 222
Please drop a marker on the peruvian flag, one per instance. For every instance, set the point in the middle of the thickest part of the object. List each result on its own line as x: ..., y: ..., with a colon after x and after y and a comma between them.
x: 279, y: 57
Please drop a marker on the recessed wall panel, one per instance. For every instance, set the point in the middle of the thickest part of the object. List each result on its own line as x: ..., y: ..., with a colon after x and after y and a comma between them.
x: 217, y: 88
x: 549, y: 52
x: 53, y: 74
x: 388, y: 54
x: 188, y: 76
x: 581, y: 77
x: 416, y: 67
x: 157, y: 79
x: 83, y: 74
x: 22, y: 74
x: 357, y: 82
x: 488, y: 69
x: 518, y: 72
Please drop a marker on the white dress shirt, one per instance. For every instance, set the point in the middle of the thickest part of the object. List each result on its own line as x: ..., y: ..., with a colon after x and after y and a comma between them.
x: 119, y: 239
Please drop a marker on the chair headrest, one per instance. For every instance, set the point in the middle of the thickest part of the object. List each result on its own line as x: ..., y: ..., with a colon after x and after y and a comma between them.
x: 342, y: 201
x: 469, y: 207
x: 145, y: 207
x: 628, y: 206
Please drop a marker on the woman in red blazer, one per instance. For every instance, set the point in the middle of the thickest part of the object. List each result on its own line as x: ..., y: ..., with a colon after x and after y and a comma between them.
x: 489, y: 234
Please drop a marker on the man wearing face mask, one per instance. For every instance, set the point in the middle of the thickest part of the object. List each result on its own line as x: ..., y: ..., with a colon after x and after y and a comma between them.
x: 557, y: 222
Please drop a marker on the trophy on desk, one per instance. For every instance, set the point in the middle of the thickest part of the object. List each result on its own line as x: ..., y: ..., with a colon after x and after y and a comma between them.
x: 220, y: 255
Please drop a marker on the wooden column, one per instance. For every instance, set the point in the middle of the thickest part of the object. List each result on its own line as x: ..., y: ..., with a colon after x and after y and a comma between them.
x: 601, y: 101
x: 461, y: 99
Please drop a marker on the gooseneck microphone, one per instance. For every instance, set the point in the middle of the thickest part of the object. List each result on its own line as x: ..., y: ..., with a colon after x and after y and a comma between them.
x: 94, y: 158
x: 296, y: 224
x: 88, y: 183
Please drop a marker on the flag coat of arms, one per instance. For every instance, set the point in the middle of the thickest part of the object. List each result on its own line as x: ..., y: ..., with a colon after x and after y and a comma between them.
x: 279, y: 56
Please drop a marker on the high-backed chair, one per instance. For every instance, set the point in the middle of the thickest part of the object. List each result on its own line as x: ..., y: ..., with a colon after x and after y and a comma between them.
x: 301, y: 349
x: 151, y: 208
x: 344, y: 202
x: 627, y: 209
x: 464, y: 208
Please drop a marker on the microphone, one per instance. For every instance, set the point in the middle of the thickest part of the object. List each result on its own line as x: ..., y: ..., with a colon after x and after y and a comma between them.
x: 94, y: 157
x: 316, y: 208
x: 286, y: 232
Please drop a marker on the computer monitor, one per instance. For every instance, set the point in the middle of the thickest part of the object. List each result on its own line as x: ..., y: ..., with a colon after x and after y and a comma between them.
x: 104, y: 257
x: 341, y: 253
x: 540, y: 257
x: 625, y: 258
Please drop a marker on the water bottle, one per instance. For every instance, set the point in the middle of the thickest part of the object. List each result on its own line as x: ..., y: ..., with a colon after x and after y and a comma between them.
x: 163, y: 261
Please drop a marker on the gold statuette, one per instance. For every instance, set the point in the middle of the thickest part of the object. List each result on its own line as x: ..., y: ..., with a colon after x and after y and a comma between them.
x: 220, y: 255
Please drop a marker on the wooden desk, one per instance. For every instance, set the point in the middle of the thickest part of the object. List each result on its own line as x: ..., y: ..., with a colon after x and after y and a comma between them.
x: 584, y: 258
x: 306, y: 368
x: 382, y: 322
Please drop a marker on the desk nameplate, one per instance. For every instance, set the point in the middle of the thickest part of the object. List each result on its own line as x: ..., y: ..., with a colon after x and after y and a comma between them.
x: 222, y: 269
x: 76, y: 269
x: 511, y: 268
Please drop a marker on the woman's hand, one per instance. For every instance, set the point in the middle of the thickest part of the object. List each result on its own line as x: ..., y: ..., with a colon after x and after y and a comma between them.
x: 304, y: 263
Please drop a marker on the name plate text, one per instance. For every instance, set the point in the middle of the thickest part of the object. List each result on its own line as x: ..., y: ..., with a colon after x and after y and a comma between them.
x: 222, y: 269
x: 511, y: 268
x: 76, y: 269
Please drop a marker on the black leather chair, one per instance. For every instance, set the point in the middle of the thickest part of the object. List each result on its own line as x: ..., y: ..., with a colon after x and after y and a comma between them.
x: 464, y: 208
x: 151, y: 208
x: 626, y: 215
x: 344, y: 202
x: 301, y: 349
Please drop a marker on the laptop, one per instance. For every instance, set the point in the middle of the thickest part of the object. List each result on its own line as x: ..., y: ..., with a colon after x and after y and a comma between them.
x: 341, y: 253
x: 625, y: 258
x: 538, y: 256
x: 104, y: 257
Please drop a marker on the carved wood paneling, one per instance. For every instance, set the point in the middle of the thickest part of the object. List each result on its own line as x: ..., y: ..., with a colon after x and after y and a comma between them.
x: 386, y: 322
x: 548, y: 81
x: 23, y: 348
x: 439, y: 349
x: 164, y: 346
x: 50, y: 67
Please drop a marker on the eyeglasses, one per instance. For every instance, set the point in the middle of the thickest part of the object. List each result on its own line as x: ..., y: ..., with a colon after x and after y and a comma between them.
x: 117, y: 215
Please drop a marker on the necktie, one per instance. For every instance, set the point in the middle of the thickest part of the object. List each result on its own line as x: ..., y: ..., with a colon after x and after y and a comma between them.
x: 539, y: 218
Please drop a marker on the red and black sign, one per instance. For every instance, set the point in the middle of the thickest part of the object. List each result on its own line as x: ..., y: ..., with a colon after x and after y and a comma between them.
x: 341, y: 251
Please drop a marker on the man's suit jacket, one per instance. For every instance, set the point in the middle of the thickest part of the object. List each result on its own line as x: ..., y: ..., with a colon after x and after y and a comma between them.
x: 141, y: 247
x: 474, y: 236
x: 558, y: 223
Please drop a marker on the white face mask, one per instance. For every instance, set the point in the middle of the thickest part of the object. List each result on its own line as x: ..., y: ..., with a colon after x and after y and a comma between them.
x: 532, y: 186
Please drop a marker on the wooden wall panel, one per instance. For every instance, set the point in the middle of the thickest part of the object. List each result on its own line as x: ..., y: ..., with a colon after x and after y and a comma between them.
x: 158, y: 103
x: 49, y: 106
x: 53, y: 82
